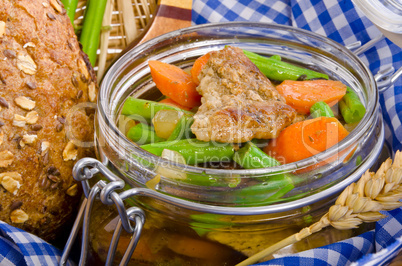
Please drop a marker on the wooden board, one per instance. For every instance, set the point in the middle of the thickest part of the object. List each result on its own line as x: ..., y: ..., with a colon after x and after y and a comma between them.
x: 170, y: 15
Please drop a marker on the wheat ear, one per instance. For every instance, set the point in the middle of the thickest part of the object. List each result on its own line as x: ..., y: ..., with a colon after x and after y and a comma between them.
x: 359, y: 202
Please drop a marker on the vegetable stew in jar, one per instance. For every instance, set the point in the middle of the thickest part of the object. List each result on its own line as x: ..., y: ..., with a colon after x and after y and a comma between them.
x: 233, y: 136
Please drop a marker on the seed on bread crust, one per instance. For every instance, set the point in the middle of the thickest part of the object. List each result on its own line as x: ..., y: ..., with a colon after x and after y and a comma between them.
x: 83, y: 68
x: 32, y: 117
x: 59, y: 127
x: 3, y: 102
x: 25, y: 103
x: 15, y: 205
x: 26, y: 64
x: 19, y: 120
x: 36, y: 127
x: 61, y: 119
x: 54, y: 178
x: 70, y: 152
x: 52, y: 170
x: 18, y: 216
x: 44, y: 147
x: 92, y: 92
x: 31, y: 85
x: 29, y: 139
x: 79, y: 94
x: 51, y: 16
x: 14, y: 175
x: 6, y: 158
x: 10, y: 54
x: 56, y: 6
x: 10, y: 184
x: 74, y: 81
x: 72, y: 191
x: 44, y: 182
x: 29, y: 44
x: 45, y: 158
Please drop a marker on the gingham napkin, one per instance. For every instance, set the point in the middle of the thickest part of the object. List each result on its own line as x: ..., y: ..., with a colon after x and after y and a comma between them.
x: 18, y: 247
x: 342, y: 22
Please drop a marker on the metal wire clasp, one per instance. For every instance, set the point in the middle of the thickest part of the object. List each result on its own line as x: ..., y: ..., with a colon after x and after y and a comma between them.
x: 384, y: 78
x: 104, y: 191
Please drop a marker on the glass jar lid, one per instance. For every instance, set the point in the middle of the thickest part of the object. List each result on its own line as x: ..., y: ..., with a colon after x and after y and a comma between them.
x: 386, y: 14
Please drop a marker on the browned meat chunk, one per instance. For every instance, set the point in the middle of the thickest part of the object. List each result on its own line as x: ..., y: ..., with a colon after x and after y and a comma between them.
x: 239, y: 103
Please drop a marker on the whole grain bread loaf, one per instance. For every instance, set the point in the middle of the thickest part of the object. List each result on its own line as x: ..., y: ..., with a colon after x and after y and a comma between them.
x: 46, y: 125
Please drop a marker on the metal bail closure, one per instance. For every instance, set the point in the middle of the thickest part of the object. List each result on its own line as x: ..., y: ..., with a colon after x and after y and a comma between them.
x: 84, y: 170
x: 135, y: 214
x: 385, y: 79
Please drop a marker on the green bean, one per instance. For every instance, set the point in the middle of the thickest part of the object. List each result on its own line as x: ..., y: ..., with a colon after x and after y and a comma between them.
x: 143, y: 134
x: 276, y: 57
x: 352, y: 109
x: 269, y: 191
x: 70, y: 6
x: 359, y: 160
x: 252, y: 157
x: 206, y: 222
x: 146, y: 109
x: 255, y: 57
x: 211, y: 181
x: 321, y: 109
x: 89, y: 37
x: 278, y: 70
x: 194, y: 151
x: 261, y: 194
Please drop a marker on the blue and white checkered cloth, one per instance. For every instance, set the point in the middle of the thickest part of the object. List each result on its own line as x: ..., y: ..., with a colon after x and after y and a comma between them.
x: 20, y: 248
x: 342, y: 22
x: 338, y: 20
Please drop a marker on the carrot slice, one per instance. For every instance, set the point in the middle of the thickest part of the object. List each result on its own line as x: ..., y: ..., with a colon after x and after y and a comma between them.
x: 197, y: 67
x: 305, y: 139
x: 175, y: 104
x: 175, y: 83
x: 301, y: 95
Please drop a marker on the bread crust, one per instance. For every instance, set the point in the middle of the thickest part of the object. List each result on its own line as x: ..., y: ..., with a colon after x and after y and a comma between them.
x: 46, y: 87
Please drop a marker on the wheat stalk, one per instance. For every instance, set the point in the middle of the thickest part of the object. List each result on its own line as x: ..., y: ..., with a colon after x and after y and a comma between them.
x: 359, y: 202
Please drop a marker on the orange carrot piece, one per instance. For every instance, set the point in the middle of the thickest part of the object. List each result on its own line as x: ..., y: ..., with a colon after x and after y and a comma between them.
x: 175, y: 104
x: 197, y: 67
x: 175, y: 83
x: 305, y: 139
x: 301, y: 95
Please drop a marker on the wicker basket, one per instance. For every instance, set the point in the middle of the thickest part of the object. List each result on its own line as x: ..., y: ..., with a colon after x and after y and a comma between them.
x: 118, y: 28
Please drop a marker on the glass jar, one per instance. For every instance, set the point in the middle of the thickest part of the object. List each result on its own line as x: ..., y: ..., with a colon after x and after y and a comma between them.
x: 386, y: 15
x: 224, y: 215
